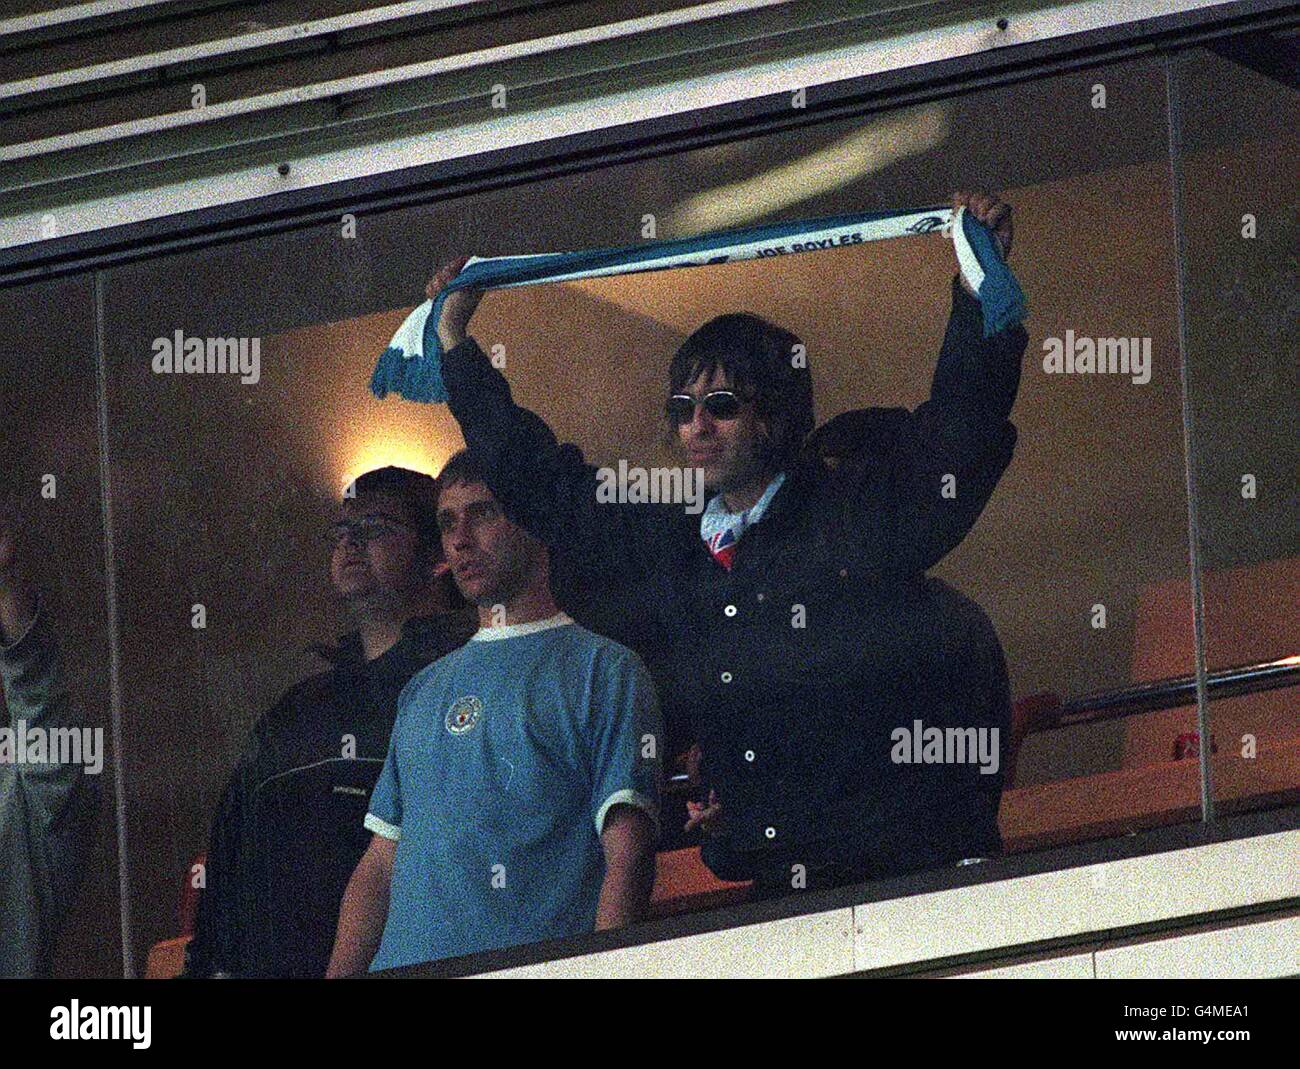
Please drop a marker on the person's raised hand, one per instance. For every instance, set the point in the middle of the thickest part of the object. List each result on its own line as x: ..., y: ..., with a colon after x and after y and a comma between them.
x: 458, y: 309
x: 994, y: 213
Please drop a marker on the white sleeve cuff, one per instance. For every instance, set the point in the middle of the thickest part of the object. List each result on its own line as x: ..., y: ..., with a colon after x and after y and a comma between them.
x: 627, y: 797
x: 382, y: 827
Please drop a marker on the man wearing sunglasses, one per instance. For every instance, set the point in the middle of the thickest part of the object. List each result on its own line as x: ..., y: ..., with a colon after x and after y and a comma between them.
x: 288, y: 832
x: 800, y: 635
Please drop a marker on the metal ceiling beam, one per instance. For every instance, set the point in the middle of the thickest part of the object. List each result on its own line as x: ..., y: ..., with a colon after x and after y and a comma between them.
x: 407, y: 137
x: 226, y: 46
x: 488, y: 57
x: 77, y: 18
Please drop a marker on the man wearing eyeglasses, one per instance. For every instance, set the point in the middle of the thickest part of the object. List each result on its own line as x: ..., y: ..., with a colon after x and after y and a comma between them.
x: 520, y: 797
x: 288, y: 831
x: 801, y: 638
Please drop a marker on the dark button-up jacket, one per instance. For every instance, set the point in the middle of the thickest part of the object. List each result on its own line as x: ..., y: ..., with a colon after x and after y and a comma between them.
x: 793, y: 669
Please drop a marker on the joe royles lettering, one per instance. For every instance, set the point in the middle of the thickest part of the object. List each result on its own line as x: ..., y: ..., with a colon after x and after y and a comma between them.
x: 811, y: 246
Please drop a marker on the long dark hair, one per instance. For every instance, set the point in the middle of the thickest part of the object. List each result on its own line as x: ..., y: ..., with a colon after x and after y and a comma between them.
x: 766, y: 364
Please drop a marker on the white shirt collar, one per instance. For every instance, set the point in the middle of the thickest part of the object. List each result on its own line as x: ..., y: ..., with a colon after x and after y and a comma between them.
x: 490, y: 634
x: 716, y: 518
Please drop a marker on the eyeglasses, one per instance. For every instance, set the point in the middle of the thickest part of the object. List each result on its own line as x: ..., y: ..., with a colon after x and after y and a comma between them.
x: 719, y: 404
x: 365, y: 529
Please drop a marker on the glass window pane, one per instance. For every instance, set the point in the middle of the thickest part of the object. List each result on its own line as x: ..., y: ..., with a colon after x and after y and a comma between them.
x: 58, y: 857
x: 223, y: 481
x: 1239, y: 151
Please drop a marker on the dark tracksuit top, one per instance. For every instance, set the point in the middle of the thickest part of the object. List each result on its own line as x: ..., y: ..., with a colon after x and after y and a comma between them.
x: 794, y: 723
x: 288, y: 832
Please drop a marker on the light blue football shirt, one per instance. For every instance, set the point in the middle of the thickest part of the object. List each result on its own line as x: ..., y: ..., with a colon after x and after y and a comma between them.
x: 505, y: 758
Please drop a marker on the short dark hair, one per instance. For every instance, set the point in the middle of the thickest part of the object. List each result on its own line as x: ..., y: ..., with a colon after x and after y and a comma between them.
x: 758, y: 358
x: 418, y: 494
x: 461, y: 468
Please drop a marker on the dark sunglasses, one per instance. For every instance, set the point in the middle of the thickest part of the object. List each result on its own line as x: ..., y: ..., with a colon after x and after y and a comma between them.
x: 719, y: 404
x: 365, y: 529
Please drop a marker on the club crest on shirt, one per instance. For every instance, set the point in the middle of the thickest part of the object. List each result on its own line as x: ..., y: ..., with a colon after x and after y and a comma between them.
x: 463, y: 715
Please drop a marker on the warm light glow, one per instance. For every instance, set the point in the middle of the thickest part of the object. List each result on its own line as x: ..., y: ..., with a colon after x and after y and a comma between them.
x: 420, y: 454
x: 866, y: 151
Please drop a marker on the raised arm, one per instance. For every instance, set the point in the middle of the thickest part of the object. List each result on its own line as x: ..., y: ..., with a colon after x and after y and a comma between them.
x: 954, y: 448
x: 546, y: 487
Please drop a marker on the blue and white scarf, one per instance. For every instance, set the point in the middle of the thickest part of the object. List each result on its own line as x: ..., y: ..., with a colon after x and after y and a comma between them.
x: 412, y: 366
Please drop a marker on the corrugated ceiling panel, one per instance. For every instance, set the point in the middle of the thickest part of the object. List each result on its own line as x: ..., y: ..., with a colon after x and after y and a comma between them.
x: 96, y: 97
